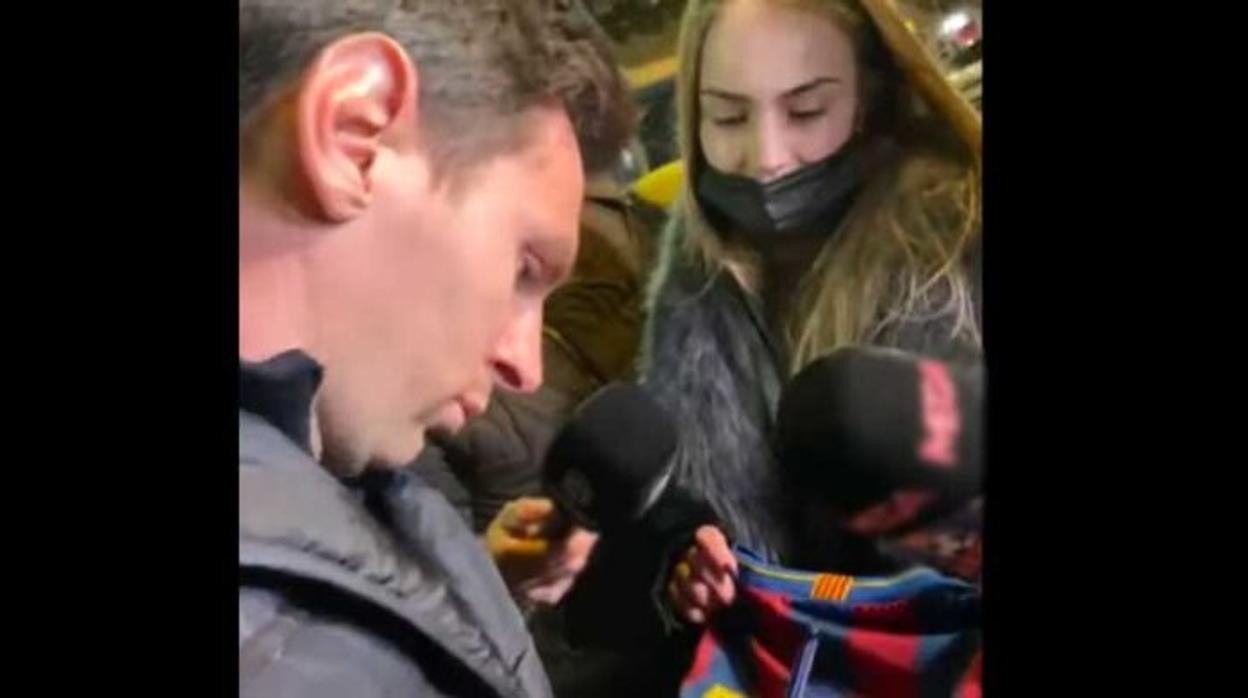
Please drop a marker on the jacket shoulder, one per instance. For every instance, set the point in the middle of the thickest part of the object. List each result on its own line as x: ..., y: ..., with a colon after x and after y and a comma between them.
x: 305, y: 536
x: 288, y: 650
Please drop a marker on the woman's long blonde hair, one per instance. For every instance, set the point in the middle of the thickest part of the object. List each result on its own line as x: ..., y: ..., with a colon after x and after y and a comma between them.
x: 900, y: 255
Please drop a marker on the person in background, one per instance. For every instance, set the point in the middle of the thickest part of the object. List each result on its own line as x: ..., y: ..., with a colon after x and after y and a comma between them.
x: 409, y: 187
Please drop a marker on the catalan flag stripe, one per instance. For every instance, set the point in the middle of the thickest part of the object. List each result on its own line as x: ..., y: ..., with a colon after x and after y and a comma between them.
x: 833, y: 587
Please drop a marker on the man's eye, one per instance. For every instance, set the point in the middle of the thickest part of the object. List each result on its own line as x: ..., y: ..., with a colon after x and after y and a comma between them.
x: 529, y: 273
x: 733, y: 120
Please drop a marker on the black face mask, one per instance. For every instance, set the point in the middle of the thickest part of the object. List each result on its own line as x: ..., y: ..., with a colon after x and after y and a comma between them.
x: 806, y: 202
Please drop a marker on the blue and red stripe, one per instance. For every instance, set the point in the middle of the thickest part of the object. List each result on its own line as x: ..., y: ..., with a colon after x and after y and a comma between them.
x: 912, y: 635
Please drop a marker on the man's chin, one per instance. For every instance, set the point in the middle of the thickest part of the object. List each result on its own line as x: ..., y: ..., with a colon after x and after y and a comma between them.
x: 401, y: 452
x: 440, y: 433
x: 349, y: 451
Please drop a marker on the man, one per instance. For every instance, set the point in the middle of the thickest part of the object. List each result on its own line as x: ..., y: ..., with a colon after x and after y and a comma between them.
x: 409, y: 186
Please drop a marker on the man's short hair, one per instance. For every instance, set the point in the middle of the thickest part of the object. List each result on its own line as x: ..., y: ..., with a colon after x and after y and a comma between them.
x: 481, y: 63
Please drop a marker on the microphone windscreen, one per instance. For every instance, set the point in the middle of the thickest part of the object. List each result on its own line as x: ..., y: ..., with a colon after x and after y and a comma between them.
x: 862, y: 423
x: 611, y: 461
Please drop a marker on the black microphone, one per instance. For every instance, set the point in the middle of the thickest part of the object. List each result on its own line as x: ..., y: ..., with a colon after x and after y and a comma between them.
x: 862, y: 423
x: 610, y: 469
x: 612, y: 461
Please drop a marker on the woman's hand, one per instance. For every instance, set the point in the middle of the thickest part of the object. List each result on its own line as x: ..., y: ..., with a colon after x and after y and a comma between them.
x: 538, y: 554
x: 703, y: 581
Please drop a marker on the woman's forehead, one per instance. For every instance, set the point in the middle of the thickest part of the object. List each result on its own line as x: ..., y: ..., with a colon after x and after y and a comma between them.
x: 757, y: 50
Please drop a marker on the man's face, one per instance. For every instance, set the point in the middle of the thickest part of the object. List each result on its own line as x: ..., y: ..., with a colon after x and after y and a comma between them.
x: 435, y: 293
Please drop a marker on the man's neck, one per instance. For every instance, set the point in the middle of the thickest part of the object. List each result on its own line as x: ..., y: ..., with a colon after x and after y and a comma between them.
x: 272, y: 306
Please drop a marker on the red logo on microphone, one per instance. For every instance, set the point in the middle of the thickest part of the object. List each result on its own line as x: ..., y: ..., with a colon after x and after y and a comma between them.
x: 941, y: 420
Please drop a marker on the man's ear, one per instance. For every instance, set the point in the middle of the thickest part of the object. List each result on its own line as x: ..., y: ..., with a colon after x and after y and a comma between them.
x: 356, y: 98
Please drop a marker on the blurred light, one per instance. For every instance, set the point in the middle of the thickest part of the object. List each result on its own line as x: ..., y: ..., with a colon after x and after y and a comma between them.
x: 954, y: 23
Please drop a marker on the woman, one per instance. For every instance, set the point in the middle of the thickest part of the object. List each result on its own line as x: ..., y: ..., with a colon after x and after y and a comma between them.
x: 828, y: 203
x: 831, y: 198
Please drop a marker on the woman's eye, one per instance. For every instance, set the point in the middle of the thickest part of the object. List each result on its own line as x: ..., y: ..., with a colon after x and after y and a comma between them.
x: 806, y: 114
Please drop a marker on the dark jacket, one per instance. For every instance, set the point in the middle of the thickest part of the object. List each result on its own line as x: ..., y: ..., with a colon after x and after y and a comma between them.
x: 337, y: 597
